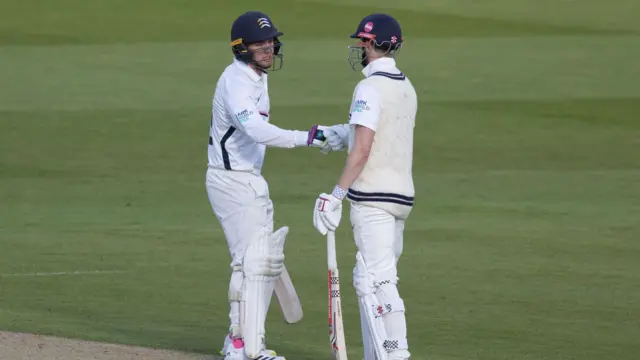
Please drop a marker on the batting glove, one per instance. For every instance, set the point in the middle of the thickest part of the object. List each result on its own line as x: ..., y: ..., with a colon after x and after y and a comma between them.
x: 316, y: 138
x: 337, y: 136
x: 328, y: 211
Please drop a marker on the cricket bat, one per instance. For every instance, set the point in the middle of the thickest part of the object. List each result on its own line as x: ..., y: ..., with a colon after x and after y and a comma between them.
x: 288, y: 298
x: 336, y: 328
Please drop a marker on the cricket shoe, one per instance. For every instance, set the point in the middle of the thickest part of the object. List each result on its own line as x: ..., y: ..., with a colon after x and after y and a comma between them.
x: 234, y: 350
x: 399, y: 355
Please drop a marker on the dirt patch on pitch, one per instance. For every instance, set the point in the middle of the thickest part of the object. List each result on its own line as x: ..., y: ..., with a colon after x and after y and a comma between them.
x: 18, y: 346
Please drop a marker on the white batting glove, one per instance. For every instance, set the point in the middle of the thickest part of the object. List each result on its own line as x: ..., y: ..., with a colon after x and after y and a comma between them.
x: 325, y: 148
x: 316, y: 137
x: 337, y: 136
x: 328, y: 211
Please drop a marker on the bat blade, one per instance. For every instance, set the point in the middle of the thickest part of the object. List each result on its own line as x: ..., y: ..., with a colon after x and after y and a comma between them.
x: 336, y: 327
x: 288, y: 298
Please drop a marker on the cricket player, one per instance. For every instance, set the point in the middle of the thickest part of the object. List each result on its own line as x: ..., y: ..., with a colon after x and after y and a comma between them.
x: 377, y: 180
x: 239, y: 195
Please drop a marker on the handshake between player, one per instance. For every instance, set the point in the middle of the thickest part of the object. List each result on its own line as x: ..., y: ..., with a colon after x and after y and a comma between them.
x: 377, y: 181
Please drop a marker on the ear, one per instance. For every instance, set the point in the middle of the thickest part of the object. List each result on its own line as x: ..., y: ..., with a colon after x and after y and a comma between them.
x: 368, y: 43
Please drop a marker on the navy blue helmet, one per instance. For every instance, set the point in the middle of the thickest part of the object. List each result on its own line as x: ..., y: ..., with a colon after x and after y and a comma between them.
x: 384, y: 33
x: 383, y: 29
x: 252, y: 27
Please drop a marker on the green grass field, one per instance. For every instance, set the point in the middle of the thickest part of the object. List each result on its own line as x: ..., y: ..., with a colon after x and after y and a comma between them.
x: 525, y: 240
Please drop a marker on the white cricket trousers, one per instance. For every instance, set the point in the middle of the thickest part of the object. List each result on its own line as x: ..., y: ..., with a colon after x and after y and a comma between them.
x: 240, y: 201
x: 378, y: 236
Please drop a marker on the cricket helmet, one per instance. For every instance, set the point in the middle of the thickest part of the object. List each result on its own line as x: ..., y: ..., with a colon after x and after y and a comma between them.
x: 382, y: 30
x: 252, y: 27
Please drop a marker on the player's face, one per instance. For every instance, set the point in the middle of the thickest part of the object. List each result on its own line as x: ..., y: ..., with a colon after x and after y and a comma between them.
x: 367, y: 48
x: 359, y: 54
x: 262, y: 53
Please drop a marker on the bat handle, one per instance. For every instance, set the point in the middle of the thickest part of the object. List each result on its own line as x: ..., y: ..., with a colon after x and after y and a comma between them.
x: 331, y: 250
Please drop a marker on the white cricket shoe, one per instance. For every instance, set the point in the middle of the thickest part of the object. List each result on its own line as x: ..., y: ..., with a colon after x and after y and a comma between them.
x: 267, y: 355
x: 234, y: 350
x: 399, y: 355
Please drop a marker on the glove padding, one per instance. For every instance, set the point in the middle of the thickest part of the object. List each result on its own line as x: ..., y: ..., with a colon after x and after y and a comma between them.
x: 337, y: 137
x: 327, y: 213
x: 317, y: 138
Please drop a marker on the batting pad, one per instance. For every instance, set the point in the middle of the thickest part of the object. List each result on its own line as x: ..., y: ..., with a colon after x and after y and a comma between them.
x: 235, y: 300
x: 374, y: 305
x: 263, y: 263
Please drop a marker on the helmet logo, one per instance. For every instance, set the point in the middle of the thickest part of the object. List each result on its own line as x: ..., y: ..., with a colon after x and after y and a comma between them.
x: 394, y: 39
x: 368, y: 27
x: 263, y: 23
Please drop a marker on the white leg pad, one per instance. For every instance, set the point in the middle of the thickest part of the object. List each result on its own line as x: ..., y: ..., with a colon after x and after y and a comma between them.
x: 364, y: 284
x: 373, y: 308
x: 380, y: 310
x: 236, y: 300
x: 367, y: 340
x: 263, y: 263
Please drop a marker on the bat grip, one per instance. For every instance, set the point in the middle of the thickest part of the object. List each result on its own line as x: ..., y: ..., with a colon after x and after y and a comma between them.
x: 331, y: 250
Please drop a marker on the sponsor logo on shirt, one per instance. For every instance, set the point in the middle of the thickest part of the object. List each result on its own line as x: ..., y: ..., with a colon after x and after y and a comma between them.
x: 360, y: 106
x: 244, y: 115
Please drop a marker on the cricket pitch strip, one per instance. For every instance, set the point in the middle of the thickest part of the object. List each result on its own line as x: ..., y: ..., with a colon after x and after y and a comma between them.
x: 21, y: 346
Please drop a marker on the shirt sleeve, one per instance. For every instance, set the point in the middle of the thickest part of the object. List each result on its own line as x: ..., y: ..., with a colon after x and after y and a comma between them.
x: 365, y: 107
x: 246, y: 118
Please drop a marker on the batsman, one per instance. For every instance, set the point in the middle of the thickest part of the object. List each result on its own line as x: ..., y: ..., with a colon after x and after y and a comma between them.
x: 377, y: 181
x: 240, y: 130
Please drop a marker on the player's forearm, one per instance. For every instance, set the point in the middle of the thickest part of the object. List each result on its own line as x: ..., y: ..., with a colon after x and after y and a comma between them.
x: 271, y: 135
x: 283, y: 139
x: 356, y: 161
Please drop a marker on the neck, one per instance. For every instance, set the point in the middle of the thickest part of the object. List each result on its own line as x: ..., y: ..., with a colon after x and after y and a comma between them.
x: 373, y: 59
x: 376, y: 57
x: 257, y: 69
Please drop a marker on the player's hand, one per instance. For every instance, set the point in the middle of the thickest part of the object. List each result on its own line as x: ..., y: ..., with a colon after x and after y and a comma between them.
x: 327, y: 213
x: 317, y: 138
x: 337, y: 136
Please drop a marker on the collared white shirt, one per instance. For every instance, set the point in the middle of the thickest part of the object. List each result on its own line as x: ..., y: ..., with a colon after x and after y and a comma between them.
x: 365, y: 105
x: 240, y: 129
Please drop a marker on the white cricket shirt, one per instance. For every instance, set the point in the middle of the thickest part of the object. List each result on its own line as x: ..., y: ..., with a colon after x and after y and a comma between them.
x: 386, y: 102
x: 366, y: 105
x: 240, y: 130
